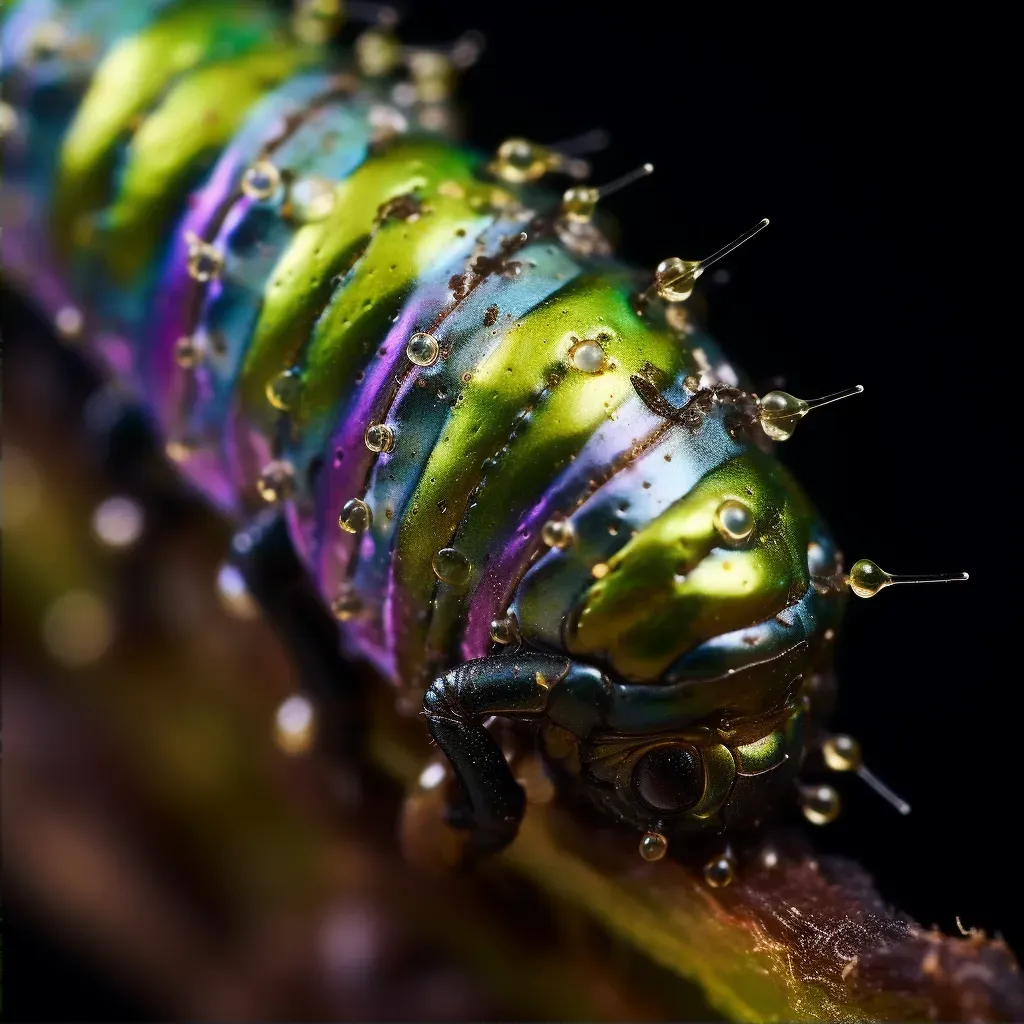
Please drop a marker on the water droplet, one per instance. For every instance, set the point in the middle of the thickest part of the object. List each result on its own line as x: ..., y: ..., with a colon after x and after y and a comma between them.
x: 8, y: 120
x: 311, y: 199
x: 275, y: 482
x: 579, y: 202
x: 674, y: 278
x: 451, y: 567
x: 284, y: 391
x: 205, y: 261
x: 557, y: 533
x: 261, y: 181
x: 653, y: 846
x: 599, y: 571
x: 379, y: 437
x: 719, y: 871
x: 423, y: 349
x: 820, y: 804
x: 378, y: 53
x: 780, y: 414
x: 78, y: 628
x: 733, y: 520
x: 295, y: 725
x: 186, y: 352
x: 588, y: 356
x: 519, y: 160
x: 841, y: 753
x: 69, y: 322
x: 866, y: 579
x: 118, y: 522
x: 347, y: 605
x: 504, y: 630
x: 356, y: 516
x: 233, y: 593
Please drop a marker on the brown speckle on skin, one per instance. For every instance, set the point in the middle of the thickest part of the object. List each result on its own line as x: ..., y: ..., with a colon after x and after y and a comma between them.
x: 491, y: 315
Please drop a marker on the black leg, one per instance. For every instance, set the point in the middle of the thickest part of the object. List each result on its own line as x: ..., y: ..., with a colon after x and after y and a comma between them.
x: 264, y: 555
x: 456, y: 706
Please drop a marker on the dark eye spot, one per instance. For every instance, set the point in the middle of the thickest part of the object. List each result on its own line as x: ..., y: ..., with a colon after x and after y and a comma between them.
x: 669, y: 778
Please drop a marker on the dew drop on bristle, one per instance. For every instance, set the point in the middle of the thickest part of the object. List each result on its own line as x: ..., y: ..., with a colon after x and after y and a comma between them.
x: 588, y: 356
x: 674, y: 278
x: 423, y: 349
x: 600, y: 570
x: 379, y: 437
x: 205, y: 261
x: 841, y: 753
x: 653, y: 846
x: 284, y: 391
x: 311, y: 199
x: 276, y: 480
x: 866, y: 579
x: 451, y: 566
x: 820, y: 804
x: 780, y: 414
x: 733, y: 520
x: 557, y: 533
x: 579, y: 203
x: 356, y: 516
x: 519, y: 160
x: 504, y: 630
x: 261, y: 181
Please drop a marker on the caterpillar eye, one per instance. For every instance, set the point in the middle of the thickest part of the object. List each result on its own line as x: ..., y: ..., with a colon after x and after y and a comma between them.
x: 670, y: 778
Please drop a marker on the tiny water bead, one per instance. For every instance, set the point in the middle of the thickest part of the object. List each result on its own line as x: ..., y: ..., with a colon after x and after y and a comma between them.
x: 557, y: 533
x: 653, y: 846
x: 600, y: 570
x: 674, y: 278
x: 261, y: 181
x: 820, y: 804
x: 205, y: 261
x: 276, y: 480
x: 284, y: 391
x: 356, y: 516
x: 379, y: 437
x: 451, y: 566
x: 579, y: 203
x: 720, y: 871
x: 311, y: 199
x: 519, y: 160
x: 295, y: 725
x: 347, y: 605
x: 866, y: 579
x: 233, y: 593
x: 377, y: 53
x: 841, y: 753
x: 118, y: 522
x: 588, y: 356
x: 781, y: 411
x: 423, y: 349
x: 504, y: 630
x: 734, y: 521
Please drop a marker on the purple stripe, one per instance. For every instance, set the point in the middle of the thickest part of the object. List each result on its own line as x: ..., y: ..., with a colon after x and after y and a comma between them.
x: 495, y: 590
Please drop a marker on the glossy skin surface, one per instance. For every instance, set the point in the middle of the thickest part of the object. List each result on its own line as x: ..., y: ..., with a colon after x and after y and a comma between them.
x: 128, y: 161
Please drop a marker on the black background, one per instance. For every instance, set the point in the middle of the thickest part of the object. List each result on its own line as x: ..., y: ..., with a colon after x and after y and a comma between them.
x: 861, y: 141
x: 867, y: 144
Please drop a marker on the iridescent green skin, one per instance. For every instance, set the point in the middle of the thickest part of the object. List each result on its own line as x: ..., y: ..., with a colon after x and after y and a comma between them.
x: 133, y: 146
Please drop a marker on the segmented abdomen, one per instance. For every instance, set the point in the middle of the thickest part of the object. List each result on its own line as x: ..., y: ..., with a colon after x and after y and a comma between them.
x: 257, y: 236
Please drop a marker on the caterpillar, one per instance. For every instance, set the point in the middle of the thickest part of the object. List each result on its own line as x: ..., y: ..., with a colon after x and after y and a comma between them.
x: 524, y: 479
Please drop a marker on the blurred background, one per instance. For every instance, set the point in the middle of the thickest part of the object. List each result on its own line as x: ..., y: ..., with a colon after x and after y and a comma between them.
x: 165, y: 859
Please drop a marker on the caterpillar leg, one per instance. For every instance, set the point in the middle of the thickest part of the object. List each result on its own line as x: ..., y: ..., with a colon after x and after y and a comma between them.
x: 456, y: 705
x: 262, y: 552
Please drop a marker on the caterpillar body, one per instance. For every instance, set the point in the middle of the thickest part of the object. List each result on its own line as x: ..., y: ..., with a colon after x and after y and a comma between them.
x: 524, y: 482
